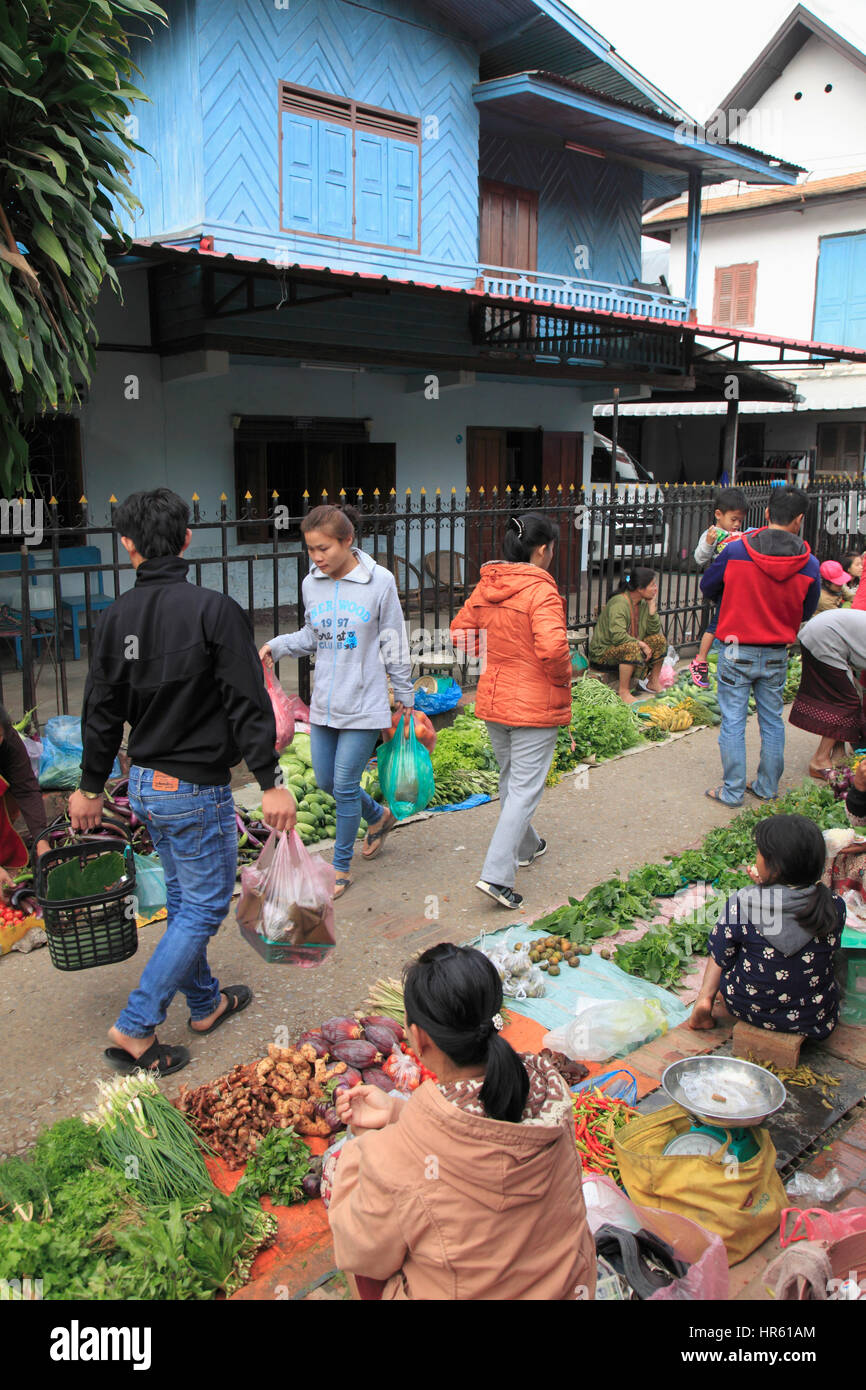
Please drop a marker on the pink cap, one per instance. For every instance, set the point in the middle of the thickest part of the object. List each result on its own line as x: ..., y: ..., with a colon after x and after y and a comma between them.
x: 833, y: 572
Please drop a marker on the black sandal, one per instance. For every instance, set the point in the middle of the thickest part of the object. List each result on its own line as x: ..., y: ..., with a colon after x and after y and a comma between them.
x: 158, y: 1060
x: 375, y: 837
x: 238, y: 996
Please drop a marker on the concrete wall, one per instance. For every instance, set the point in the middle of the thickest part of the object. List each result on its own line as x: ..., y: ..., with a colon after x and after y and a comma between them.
x: 784, y: 242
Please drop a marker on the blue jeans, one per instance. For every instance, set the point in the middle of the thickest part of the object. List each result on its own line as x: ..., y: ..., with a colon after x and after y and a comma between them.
x: 761, y: 671
x: 339, y: 758
x: 194, y: 833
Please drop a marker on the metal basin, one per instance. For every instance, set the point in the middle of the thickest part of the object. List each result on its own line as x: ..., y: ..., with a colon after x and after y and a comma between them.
x: 751, y: 1093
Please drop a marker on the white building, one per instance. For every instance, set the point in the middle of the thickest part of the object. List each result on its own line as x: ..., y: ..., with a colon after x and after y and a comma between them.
x: 784, y: 261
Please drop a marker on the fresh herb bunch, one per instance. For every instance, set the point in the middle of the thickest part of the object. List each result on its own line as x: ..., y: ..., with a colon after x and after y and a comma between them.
x: 464, y: 744
x: 147, y: 1139
x: 278, y: 1167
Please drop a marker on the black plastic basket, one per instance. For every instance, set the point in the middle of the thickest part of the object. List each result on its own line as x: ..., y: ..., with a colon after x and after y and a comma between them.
x: 96, y: 930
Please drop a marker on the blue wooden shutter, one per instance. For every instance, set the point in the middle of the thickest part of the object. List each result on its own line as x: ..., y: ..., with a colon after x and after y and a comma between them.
x: 402, y: 194
x: 840, y: 295
x: 371, y: 194
x: 335, y: 180
x: 855, y: 335
x: 300, y: 172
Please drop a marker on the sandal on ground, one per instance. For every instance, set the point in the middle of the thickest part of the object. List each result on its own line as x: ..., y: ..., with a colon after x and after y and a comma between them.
x: 158, y: 1060
x: 751, y: 790
x: 715, y: 794
x: 342, y: 885
x: 238, y: 996
x: 376, y: 833
x: 820, y: 774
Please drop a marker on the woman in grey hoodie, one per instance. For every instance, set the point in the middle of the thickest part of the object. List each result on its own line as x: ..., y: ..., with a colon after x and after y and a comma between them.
x: 353, y: 625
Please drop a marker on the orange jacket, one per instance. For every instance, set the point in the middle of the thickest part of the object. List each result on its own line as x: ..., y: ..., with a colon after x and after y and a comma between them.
x: 526, y: 677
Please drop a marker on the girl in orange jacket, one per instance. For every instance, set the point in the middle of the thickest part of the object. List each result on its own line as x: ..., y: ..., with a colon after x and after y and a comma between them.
x: 515, y: 620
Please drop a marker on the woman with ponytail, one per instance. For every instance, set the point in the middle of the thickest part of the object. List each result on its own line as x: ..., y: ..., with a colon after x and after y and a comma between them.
x: 353, y: 625
x: 771, y: 954
x: 628, y: 633
x: 515, y: 619
x: 471, y: 1189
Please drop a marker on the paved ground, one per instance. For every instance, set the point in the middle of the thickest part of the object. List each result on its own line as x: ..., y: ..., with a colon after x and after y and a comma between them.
x: 635, y: 809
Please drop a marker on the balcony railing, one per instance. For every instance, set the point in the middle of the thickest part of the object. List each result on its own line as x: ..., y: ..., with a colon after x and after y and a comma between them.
x: 576, y: 293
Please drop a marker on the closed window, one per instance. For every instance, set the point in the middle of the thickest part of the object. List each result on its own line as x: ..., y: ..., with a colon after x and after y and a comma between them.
x: 840, y: 291
x: 349, y: 171
x: 734, y: 295
x: 508, y: 226
x: 841, y: 448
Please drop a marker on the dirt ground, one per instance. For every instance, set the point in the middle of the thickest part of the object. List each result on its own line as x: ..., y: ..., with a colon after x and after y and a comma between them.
x: 634, y: 810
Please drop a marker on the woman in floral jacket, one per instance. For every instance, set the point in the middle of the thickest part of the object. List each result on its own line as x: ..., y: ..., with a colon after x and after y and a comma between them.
x: 771, y: 953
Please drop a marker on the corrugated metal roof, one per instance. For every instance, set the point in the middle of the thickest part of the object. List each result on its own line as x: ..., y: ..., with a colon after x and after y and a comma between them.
x: 661, y: 409
x: 763, y: 197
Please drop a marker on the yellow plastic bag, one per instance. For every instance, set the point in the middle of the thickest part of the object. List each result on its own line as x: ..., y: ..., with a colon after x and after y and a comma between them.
x: 741, y: 1200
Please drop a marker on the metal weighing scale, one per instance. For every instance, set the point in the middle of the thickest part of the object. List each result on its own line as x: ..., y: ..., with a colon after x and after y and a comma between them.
x: 723, y: 1095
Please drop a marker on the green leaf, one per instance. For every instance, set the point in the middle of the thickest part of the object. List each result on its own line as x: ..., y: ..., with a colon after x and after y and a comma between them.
x: 10, y: 354
x: 13, y: 61
x: 8, y: 302
x: 47, y: 241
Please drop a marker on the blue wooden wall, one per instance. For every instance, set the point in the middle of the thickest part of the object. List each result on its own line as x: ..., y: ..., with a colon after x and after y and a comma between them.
x: 170, y: 184
x: 404, y: 64
x: 582, y: 202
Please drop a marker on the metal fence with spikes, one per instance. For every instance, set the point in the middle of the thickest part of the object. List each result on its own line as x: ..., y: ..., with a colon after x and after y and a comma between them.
x: 433, y: 545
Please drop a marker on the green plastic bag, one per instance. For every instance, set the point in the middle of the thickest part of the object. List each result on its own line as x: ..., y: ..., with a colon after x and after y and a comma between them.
x: 405, y: 772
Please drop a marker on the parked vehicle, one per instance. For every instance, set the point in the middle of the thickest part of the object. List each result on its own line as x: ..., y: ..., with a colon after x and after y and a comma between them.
x: 637, y: 529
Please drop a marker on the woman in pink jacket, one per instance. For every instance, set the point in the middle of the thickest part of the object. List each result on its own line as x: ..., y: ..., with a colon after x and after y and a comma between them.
x: 471, y: 1189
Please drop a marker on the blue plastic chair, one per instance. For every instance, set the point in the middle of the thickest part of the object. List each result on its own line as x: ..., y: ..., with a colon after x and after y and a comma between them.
x: 11, y: 565
x: 72, y: 590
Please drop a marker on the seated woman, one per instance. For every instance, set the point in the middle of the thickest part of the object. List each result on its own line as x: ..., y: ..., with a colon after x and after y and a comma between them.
x: 628, y: 633
x: 471, y: 1189
x: 771, y: 953
x: 19, y: 792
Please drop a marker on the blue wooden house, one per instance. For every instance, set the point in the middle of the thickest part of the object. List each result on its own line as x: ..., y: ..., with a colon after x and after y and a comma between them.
x: 389, y: 245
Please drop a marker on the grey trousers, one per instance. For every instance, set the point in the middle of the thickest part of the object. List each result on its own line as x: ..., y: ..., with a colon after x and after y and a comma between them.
x: 524, y: 757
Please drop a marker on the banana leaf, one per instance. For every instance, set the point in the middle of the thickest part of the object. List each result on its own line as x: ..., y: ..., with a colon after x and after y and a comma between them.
x: 69, y: 880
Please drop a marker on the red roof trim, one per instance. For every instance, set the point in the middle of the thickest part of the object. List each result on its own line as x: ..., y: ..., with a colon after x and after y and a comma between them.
x: 563, y: 311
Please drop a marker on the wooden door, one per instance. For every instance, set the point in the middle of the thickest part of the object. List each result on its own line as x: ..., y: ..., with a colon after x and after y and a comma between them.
x: 509, y: 226
x: 562, y: 465
x: 486, y: 460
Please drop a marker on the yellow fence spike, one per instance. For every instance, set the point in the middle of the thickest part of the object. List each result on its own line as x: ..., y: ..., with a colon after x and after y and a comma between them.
x: 274, y: 495
x: 195, y: 497
x: 376, y: 492
x: 82, y: 501
x: 248, y: 496
x: 305, y: 494
x: 112, y: 498
x: 423, y: 492
x: 359, y: 494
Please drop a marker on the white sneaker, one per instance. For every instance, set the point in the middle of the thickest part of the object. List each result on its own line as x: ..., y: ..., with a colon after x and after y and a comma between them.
x: 542, y: 849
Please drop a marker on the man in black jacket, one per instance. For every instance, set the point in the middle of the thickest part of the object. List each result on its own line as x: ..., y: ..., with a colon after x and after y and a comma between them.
x: 177, y: 663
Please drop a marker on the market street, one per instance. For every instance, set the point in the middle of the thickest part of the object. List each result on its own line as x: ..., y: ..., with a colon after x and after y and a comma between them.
x: 54, y: 1024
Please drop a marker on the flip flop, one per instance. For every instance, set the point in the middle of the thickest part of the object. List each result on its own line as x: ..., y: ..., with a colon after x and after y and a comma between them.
x: 375, y: 836
x: 159, y: 1059
x: 751, y: 790
x: 341, y: 886
x: 714, y: 795
x: 238, y: 996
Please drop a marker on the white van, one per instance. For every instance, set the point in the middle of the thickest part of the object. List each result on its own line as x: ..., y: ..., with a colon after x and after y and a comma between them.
x: 638, y: 525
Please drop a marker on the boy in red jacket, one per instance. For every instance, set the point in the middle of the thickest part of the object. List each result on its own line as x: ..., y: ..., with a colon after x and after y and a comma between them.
x: 769, y: 583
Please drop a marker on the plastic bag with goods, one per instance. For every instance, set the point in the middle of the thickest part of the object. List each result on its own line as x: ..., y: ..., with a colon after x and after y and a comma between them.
x: 816, y: 1189
x: 668, y: 672
x: 62, y: 750
x: 281, y: 705
x: 618, y: 1085
x: 520, y: 978
x: 405, y: 772
x: 150, y: 891
x: 607, y: 1028
x: 287, y: 895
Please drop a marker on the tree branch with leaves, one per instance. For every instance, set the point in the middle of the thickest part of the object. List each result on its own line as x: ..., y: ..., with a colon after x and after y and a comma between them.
x: 66, y: 92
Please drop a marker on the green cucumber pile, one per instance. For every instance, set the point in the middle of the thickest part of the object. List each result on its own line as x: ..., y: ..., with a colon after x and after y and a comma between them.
x: 317, y: 810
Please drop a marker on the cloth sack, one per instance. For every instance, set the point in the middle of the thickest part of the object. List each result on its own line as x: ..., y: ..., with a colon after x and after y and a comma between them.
x: 741, y: 1201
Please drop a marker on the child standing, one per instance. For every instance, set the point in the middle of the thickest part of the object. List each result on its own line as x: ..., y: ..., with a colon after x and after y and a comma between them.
x: 833, y: 581
x: 771, y: 953
x: 730, y: 513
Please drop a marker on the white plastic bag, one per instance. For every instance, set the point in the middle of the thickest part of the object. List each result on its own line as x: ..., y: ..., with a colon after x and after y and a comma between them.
x: 668, y: 672
x: 605, y: 1028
